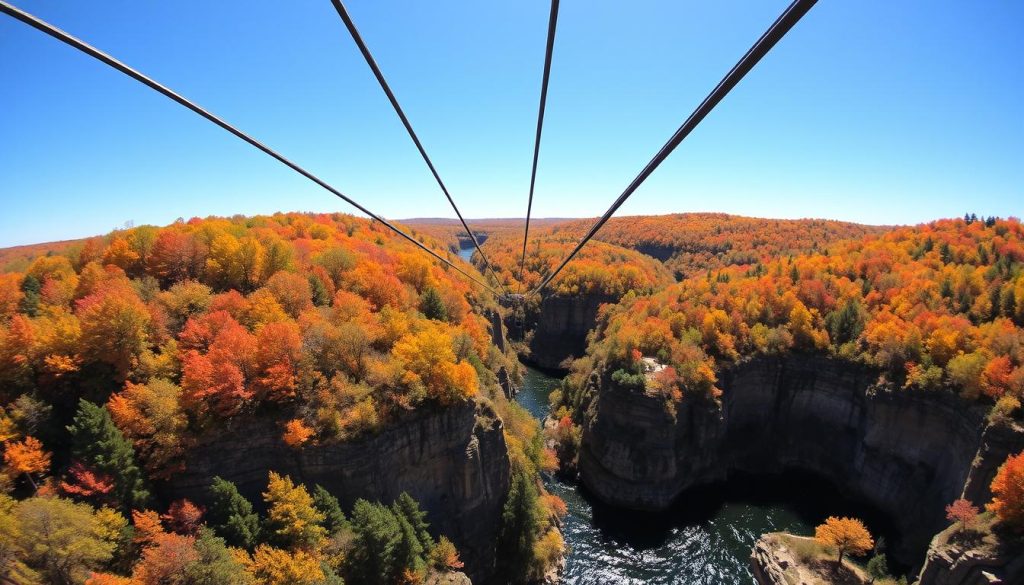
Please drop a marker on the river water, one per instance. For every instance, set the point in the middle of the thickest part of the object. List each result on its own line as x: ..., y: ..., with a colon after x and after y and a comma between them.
x: 706, y: 540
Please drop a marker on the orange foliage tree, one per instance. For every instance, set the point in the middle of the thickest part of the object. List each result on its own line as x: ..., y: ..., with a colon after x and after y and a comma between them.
x: 1008, y: 492
x: 27, y: 457
x: 846, y: 535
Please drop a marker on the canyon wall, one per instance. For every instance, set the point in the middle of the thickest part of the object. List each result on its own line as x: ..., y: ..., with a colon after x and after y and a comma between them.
x: 562, y: 328
x: 909, y: 453
x: 452, y: 460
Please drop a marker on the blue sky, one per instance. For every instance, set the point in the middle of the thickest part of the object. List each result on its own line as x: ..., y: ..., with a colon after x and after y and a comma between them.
x: 872, y: 111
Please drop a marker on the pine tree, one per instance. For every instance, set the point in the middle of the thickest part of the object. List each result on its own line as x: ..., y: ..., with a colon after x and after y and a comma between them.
x: 375, y: 549
x: 321, y: 297
x: 520, y: 523
x: 847, y: 323
x: 878, y: 567
x: 409, y: 508
x: 30, y: 287
x: 231, y: 515
x: 216, y: 565
x: 98, y: 444
x: 432, y: 306
x: 328, y: 505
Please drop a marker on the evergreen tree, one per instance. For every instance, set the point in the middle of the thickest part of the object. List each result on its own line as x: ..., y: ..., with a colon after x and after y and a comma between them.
x: 30, y: 288
x: 375, y: 549
x: 878, y: 567
x: 409, y: 508
x: 410, y: 552
x: 328, y: 505
x: 847, y: 323
x: 215, y: 565
x: 100, y: 446
x: 321, y: 298
x: 520, y: 523
x: 945, y: 253
x: 432, y: 306
x: 231, y: 515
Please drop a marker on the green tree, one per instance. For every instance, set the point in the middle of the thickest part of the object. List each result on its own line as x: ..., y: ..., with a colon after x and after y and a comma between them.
x: 847, y: 323
x: 521, y: 520
x: 321, y: 297
x: 216, y: 565
x: 30, y: 287
x: 231, y: 515
x: 878, y: 567
x: 432, y: 305
x: 376, y: 544
x: 408, y: 508
x: 328, y: 505
x: 100, y: 445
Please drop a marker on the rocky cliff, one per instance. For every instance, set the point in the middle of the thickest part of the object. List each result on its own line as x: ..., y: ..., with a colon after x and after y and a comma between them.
x: 452, y: 460
x: 971, y: 564
x: 562, y: 327
x: 907, y: 453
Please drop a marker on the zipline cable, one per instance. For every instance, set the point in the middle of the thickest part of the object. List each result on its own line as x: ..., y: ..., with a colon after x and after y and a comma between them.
x: 95, y: 53
x: 778, y: 29
x: 552, y: 24
x: 351, y: 26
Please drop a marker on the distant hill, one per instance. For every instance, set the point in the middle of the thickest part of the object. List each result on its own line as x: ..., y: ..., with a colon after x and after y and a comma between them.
x: 690, y: 243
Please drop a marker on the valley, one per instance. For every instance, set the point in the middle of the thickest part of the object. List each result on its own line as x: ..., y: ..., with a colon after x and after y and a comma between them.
x: 664, y: 423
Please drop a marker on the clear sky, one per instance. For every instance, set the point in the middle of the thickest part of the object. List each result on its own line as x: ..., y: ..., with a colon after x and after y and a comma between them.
x: 876, y: 111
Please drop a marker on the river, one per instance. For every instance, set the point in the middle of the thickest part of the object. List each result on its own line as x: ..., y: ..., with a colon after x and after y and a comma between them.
x: 706, y: 540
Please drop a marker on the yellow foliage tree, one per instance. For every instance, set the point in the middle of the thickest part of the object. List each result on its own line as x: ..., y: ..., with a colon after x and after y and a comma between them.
x: 846, y: 535
x: 431, y: 365
x: 292, y: 518
x: 273, y: 566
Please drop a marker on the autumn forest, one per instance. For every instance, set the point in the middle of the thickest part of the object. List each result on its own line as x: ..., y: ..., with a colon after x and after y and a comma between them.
x: 125, y: 358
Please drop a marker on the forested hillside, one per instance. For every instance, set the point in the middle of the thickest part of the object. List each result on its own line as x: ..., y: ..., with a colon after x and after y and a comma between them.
x: 938, y: 307
x: 691, y: 243
x: 599, y: 268
x: 119, y: 353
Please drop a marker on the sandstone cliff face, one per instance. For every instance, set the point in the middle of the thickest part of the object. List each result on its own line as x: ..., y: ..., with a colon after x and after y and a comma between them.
x: 562, y: 328
x: 453, y: 460
x: 907, y: 453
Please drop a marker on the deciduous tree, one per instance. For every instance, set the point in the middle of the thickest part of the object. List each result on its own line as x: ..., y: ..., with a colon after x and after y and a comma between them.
x: 292, y: 519
x: 1008, y: 492
x: 846, y: 535
x: 963, y: 512
x: 27, y: 457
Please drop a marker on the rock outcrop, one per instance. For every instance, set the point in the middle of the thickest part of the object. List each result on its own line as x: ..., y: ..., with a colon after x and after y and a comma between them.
x: 562, y: 328
x: 777, y: 560
x: 452, y: 460
x: 768, y: 562
x: 908, y: 453
x: 973, y: 560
